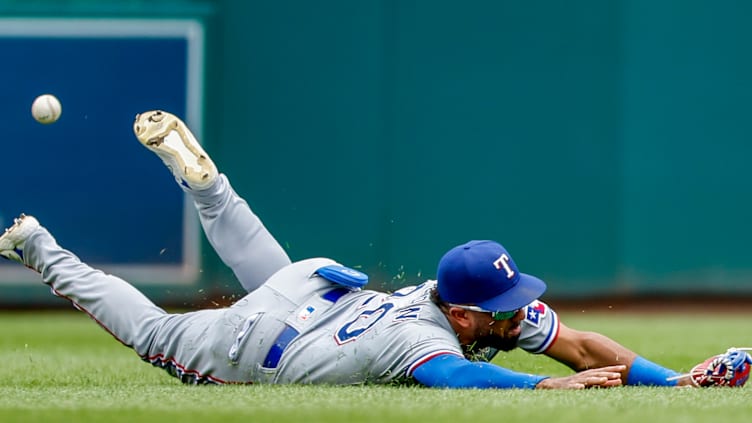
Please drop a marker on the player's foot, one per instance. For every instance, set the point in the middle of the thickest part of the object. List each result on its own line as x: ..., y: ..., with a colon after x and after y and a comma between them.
x: 168, y: 137
x: 13, y: 240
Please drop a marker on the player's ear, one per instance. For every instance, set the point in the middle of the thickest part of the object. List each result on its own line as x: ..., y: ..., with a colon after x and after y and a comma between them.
x: 461, y: 316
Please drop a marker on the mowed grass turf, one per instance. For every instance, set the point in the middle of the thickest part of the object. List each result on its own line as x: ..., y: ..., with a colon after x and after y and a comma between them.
x: 60, y: 366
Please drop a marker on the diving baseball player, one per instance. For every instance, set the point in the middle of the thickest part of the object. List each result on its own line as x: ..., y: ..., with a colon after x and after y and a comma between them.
x: 313, y: 322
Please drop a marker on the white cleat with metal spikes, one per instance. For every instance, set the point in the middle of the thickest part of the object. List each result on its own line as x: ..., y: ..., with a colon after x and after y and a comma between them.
x: 13, y: 240
x: 167, y: 136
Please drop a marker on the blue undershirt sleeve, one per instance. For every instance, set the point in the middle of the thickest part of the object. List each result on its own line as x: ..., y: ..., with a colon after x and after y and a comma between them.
x: 644, y: 372
x: 451, y: 371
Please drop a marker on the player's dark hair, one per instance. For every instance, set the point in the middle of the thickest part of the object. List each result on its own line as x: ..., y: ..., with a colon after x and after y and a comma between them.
x: 436, y: 299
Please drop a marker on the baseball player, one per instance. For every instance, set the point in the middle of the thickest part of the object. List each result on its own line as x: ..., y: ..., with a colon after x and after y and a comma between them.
x: 312, y: 321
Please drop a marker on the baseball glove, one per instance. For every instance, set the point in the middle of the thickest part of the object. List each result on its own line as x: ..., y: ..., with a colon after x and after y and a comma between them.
x: 728, y: 369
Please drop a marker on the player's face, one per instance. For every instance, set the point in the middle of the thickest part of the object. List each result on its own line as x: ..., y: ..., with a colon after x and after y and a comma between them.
x: 500, y: 334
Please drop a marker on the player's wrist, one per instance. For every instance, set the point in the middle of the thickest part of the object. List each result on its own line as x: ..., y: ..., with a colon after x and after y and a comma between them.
x: 544, y: 383
x: 646, y: 373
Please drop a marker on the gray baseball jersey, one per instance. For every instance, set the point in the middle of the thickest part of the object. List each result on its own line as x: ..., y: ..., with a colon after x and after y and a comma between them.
x: 294, y: 326
x: 378, y: 337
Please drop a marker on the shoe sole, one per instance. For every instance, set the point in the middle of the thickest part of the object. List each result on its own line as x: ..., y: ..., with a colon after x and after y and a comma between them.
x: 168, y: 137
x: 15, y: 236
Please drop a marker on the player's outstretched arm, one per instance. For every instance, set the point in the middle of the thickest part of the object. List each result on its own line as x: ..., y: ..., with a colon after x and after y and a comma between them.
x: 451, y: 371
x: 588, y: 350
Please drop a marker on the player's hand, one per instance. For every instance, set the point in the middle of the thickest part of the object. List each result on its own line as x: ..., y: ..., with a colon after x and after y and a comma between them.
x: 604, y: 377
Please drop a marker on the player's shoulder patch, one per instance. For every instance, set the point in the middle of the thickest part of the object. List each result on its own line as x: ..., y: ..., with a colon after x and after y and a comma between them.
x: 535, y: 312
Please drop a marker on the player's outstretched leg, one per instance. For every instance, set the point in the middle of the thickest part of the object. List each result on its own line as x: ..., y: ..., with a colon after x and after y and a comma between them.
x: 168, y: 137
x: 187, y: 345
x: 113, y: 303
x: 234, y: 231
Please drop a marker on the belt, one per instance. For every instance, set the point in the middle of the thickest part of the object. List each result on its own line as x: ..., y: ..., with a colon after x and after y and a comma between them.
x: 289, y: 333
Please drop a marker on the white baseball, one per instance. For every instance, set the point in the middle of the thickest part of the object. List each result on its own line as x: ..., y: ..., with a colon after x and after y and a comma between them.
x: 46, y: 109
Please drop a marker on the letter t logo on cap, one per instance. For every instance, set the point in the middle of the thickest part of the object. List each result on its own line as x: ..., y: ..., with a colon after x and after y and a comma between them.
x: 503, y: 262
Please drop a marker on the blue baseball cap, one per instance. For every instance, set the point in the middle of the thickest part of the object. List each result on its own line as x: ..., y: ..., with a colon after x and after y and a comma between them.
x: 482, y: 273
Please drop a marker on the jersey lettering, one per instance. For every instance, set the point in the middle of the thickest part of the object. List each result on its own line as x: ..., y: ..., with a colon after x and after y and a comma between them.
x: 358, y: 326
x: 401, y: 299
x: 409, y: 313
x: 404, y: 292
x: 503, y: 262
x: 368, y: 300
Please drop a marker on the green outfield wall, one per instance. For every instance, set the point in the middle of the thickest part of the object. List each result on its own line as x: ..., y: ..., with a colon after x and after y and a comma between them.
x: 604, y: 143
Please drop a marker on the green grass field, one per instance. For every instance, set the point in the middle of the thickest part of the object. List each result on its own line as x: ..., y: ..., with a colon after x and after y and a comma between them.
x: 60, y: 366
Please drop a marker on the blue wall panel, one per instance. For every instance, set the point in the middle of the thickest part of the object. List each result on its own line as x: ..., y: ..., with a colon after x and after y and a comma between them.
x: 86, y: 176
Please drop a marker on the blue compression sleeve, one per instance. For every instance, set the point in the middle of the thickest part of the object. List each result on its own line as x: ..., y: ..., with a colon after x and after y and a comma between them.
x: 451, y: 371
x: 644, y: 372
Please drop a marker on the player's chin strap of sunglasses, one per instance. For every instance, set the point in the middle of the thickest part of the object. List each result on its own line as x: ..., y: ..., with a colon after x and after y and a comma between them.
x: 496, y: 315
